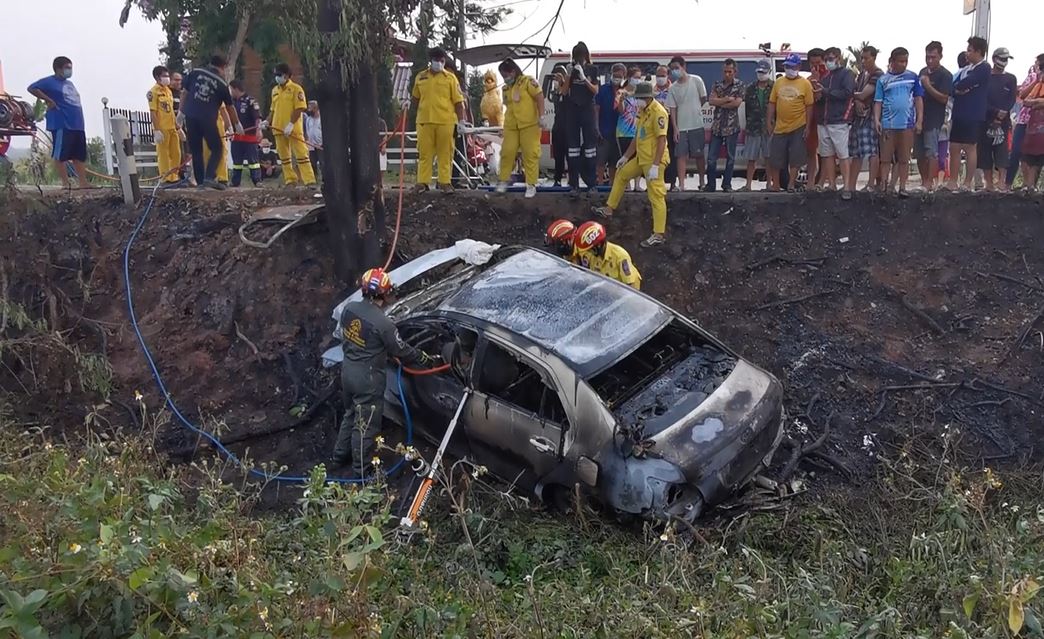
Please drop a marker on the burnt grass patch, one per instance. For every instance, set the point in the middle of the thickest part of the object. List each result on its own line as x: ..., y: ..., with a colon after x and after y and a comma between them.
x: 886, y: 320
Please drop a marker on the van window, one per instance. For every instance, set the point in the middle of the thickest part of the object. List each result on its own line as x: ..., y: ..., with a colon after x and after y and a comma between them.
x: 710, y: 70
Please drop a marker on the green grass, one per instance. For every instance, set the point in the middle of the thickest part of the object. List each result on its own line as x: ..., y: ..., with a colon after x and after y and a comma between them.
x: 103, y: 539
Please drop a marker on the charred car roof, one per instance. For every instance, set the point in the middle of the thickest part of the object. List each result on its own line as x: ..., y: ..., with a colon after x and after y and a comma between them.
x: 585, y: 319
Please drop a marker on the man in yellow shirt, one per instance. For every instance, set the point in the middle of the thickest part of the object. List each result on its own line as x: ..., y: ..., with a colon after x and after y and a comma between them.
x: 164, y: 126
x: 525, y: 106
x: 440, y: 114
x: 647, y: 155
x: 790, y: 119
x: 611, y: 260
x: 288, y: 105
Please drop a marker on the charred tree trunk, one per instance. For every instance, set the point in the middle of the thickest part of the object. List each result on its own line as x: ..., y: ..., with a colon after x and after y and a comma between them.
x: 351, y: 167
x: 365, y: 165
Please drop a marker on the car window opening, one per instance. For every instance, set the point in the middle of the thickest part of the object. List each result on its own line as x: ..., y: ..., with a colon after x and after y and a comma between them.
x: 516, y: 382
x: 668, y: 351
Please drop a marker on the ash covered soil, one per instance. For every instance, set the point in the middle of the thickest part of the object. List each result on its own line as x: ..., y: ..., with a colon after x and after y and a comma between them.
x: 884, y: 319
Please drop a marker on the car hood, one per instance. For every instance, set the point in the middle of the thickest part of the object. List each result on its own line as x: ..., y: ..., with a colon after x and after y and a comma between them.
x: 740, y: 418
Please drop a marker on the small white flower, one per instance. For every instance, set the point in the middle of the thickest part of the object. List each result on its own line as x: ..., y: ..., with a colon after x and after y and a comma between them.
x: 379, y: 440
x: 138, y: 397
x: 193, y: 597
x: 375, y: 462
x: 75, y: 548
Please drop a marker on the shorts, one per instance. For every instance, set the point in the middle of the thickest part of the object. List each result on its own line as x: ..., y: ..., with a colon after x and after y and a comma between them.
x: 993, y: 156
x: 1035, y: 161
x: 926, y: 144
x: 812, y: 141
x: 833, y: 140
x: 69, y: 145
x: 864, y: 141
x: 691, y: 144
x: 896, y: 144
x: 756, y: 147
x: 789, y: 149
x: 967, y: 132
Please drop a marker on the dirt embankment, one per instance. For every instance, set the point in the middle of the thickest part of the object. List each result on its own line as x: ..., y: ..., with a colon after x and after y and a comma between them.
x: 895, y: 317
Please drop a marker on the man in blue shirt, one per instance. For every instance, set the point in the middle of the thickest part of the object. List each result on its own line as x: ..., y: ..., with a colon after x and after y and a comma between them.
x: 898, y: 115
x: 605, y: 108
x: 205, y: 93
x: 64, y: 120
x: 968, y: 118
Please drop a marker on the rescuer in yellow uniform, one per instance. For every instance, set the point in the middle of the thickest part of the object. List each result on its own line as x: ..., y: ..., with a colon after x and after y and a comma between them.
x: 611, y: 260
x: 646, y: 156
x: 440, y: 108
x: 525, y: 106
x: 288, y: 104
x: 559, y: 239
x: 164, y: 126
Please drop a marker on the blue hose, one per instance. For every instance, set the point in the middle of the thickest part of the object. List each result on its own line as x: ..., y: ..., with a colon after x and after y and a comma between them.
x: 225, y: 452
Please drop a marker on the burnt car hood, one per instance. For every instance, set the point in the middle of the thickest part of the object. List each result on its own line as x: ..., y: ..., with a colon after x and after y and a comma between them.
x: 720, y: 440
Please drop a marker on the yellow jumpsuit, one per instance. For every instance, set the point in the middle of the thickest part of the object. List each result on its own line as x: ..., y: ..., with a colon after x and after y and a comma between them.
x: 222, y: 168
x: 285, y: 100
x: 652, y: 125
x: 437, y: 96
x: 168, y: 152
x: 615, y: 264
x: 521, y: 129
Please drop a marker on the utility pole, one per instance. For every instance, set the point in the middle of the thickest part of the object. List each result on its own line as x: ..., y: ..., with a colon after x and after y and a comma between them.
x: 461, y: 28
x: 981, y: 8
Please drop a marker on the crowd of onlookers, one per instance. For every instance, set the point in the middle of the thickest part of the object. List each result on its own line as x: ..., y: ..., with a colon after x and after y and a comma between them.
x: 820, y: 127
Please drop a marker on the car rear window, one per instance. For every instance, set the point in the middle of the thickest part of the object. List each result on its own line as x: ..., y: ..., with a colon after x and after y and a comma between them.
x: 582, y: 317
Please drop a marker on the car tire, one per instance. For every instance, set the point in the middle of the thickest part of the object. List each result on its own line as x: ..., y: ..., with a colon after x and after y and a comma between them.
x: 558, y: 498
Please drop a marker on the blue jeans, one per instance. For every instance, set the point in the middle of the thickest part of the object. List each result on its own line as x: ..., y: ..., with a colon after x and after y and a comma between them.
x: 716, y: 142
x: 1016, y: 153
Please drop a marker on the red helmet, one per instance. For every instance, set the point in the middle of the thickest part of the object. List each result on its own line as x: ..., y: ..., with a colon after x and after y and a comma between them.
x: 375, y: 283
x: 590, y: 235
x: 560, y: 231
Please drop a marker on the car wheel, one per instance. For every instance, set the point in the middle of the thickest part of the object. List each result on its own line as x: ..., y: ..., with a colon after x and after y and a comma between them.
x: 559, y: 498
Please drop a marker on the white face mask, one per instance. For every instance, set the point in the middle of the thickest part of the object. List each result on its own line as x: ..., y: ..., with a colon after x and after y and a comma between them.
x: 164, y: 81
x: 661, y: 81
x: 763, y: 75
x: 643, y: 104
x: 792, y: 73
x: 280, y: 80
x: 1000, y: 63
x: 437, y: 66
x: 634, y: 82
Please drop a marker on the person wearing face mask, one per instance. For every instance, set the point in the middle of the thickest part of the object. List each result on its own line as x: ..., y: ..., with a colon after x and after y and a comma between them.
x: 525, y: 104
x: 726, y: 98
x: 626, y: 107
x: 1000, y: 100
x: 647, y: 155
x: 756, y: 145
x: 245, y: 151
x: 440, y: 115
x: 789, y: 117
x: 176, y: 80
x: 834, y: 113
x: 313, y: 131
x: 685, y: 102
x: 663, y: 92
x: 164, y: 126
x: 580, y: 89
x: 64, y: 120
x: 606, y: 116
x: 288, y: 105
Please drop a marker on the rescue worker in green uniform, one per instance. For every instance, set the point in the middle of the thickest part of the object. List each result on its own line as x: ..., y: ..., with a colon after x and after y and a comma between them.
x: 611, y: 260
x: 370, y: 338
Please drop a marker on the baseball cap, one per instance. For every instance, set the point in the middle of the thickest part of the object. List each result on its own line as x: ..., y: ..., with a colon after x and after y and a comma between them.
x: 792, y: 60
x: 1002, y: 53
x: 764, y: 66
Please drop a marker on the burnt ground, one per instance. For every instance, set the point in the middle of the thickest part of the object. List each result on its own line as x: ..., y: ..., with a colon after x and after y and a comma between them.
x: 895, y: 318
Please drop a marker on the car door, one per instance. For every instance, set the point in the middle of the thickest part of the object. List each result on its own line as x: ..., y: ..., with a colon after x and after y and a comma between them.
x: 516, y: 419
x: 434, y: 398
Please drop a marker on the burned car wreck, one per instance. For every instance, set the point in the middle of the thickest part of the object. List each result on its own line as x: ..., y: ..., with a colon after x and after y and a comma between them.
x: 579, y: 380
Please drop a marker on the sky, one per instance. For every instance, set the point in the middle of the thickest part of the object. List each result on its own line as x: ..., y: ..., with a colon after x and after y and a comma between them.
x: 117, y: 63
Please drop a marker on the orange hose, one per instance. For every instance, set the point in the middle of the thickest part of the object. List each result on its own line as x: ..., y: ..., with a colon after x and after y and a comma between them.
x: 427, y: 371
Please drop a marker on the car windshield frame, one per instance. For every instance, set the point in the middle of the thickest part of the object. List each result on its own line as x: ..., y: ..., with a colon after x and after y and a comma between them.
x: 585, y: 319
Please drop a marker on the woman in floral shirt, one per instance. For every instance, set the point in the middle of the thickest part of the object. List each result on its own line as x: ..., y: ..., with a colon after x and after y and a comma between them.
x: 627, y: 107
x: 1020, y: 125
